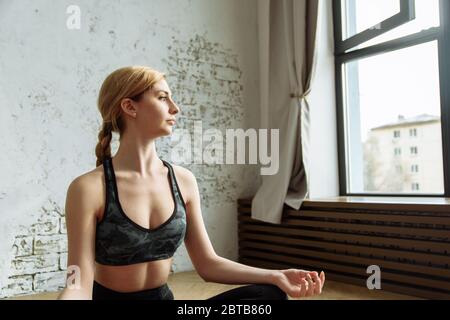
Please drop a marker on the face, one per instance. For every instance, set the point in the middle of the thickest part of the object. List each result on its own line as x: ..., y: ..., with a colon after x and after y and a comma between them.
x: 154, y: 113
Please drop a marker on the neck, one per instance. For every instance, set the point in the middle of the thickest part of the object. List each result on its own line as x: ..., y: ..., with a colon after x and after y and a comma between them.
x: 138, y: 156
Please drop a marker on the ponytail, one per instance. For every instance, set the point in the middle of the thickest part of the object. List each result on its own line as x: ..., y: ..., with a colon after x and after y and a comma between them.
x: 103, y: 148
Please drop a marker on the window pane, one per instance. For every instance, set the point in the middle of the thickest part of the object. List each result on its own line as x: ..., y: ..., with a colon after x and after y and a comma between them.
x: 427, y: 16
x: 359, y: 15
x: 386, y: 96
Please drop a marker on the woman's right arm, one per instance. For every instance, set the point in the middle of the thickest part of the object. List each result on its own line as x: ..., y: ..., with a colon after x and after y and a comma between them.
x: 80, y: 211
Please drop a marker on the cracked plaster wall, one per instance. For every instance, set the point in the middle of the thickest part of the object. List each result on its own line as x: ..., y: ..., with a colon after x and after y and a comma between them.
x: 49, y: 81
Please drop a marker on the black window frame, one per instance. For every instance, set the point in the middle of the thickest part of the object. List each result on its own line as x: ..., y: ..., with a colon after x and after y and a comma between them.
x: 440, y: 34
x: 406, y: 14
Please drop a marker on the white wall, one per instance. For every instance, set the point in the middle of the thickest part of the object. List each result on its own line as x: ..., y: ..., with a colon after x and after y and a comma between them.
x: 49, y: 81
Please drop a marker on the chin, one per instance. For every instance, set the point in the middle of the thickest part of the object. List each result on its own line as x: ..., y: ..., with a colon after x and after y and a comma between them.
x: 167, y: 132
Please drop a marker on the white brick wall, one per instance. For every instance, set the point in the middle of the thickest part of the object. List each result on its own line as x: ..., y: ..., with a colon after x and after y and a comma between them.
x: 17, y: 285
x: 62, y: 225
x: 63, y: 261
x: 23, y: 246
x: 40, y: 256
x: 55, y: 243
x: 49, y: 224
x: 49, y: 281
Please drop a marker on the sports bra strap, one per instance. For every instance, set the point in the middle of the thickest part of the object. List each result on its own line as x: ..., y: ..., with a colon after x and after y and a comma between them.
x: 174, y: 183
x: 107, y: 169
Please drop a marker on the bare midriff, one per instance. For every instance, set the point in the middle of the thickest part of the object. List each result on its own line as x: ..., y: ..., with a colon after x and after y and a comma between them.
x: 135, y: 277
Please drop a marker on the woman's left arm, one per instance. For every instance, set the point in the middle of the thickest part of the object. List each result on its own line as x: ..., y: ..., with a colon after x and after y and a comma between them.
x: 213, y: 268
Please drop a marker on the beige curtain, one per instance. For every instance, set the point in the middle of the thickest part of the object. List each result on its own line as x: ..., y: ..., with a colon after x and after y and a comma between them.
x: 287, y: 44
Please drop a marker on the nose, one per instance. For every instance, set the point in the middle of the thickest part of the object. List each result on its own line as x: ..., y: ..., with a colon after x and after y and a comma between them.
x: 174, y: 108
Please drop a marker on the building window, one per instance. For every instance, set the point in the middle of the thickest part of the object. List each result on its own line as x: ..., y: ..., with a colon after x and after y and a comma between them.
x: 380, y: 92
x: 415, y: 187
x: 415, y: 168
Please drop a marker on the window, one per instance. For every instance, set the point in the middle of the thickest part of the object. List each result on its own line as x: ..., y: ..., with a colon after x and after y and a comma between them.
x: 392, y: 70
x: 415, y: 168
x: 361, y: 20
x: 415, y: 187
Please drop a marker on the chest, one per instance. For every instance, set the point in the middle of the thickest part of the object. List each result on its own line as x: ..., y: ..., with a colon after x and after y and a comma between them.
x: 147, y: 203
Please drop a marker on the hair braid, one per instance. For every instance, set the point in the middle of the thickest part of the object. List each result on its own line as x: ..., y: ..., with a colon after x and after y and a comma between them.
x: 103, y: 148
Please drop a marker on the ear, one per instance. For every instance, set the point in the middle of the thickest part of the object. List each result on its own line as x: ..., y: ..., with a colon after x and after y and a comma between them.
x: 128, y: 106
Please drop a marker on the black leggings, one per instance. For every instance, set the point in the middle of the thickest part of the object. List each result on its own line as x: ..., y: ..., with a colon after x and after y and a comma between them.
x: 247, y: 292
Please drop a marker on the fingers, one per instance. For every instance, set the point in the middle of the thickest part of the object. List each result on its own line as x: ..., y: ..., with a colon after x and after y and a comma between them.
x: 311, y: 286
x: 318, y: 284
x: 322, y: 277
x: 302, y: 273
x: 303, y: 288
x: 313, y: 273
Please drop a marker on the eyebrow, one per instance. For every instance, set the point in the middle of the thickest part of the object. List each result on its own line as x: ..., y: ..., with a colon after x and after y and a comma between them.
x: 163, y: 91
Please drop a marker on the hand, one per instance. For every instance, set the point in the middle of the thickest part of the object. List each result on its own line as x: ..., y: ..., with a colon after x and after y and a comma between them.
x: 300, y: 283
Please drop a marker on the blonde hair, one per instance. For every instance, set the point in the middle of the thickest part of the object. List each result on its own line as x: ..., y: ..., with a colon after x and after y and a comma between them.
x: 128, y: 82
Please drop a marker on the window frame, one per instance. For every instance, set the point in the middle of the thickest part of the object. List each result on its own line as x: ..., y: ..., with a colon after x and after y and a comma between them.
x: 440, y: 34
x: 406, y: 14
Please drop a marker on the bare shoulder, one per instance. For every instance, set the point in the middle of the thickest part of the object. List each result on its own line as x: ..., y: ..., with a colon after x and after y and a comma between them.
x: 183, y: 173
x: 87, y: 190
x: 186, y: 181
x: 88, y: 181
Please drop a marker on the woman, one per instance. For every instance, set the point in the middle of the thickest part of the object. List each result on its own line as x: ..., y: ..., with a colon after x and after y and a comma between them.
x: 126, y: 218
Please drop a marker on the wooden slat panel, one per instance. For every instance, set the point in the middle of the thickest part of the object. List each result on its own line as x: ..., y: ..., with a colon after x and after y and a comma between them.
x: 401, y: 205
x: 331, y: 235
x: 361, y: 227
x: 439, y: 272
x: 352, y: 280
x: 320, y: 265
x: 405, y: 243
x: 398, y: 218
x: 435, y: 205
x: 279, y: 251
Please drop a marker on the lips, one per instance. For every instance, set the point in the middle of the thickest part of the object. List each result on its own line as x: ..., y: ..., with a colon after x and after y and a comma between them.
x: 171, y: 121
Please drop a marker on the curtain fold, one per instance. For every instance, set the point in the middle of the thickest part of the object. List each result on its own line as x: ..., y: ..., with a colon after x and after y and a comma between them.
x: 287, y: 41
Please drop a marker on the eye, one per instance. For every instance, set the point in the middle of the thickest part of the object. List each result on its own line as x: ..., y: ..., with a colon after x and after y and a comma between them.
x: 165, y: 98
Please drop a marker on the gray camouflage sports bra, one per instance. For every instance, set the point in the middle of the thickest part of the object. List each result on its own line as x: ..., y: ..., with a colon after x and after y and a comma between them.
x: 121, y: 241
